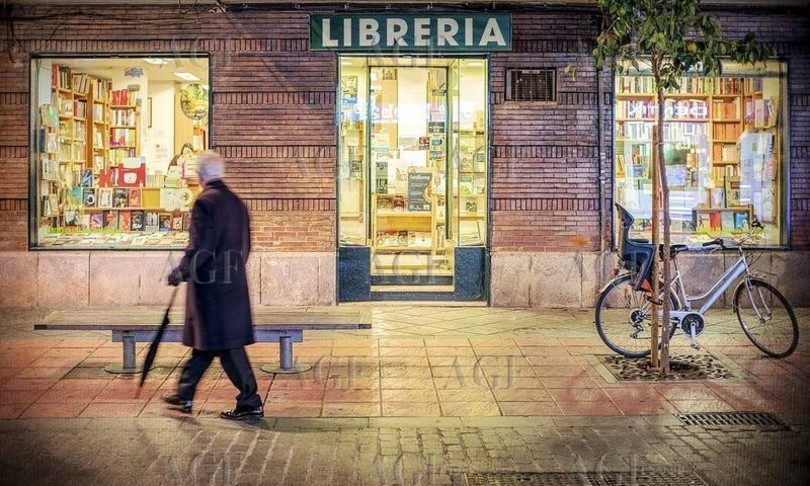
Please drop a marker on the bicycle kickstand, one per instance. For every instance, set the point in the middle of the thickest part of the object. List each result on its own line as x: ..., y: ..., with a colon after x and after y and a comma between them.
x: 693, y: 337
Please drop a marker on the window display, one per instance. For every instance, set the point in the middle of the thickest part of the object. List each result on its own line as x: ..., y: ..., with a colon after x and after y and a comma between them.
x: 723, y: 152
x: 114, y: 143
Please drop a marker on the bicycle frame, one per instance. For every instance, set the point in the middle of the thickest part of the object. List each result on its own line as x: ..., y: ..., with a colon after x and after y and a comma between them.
x: 717, y: 289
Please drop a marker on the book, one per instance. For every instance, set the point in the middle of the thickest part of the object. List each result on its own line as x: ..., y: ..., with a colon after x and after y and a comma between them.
x: 96, y: 221
x: 124, y: 221
x: 727, y: 221
x: 135, y: 198
x: 718, y: 197
x: 136, y: 221
x: 715, y: 220
x: 105, y: 197
x: 164, y: 222
x: 741, y: 221
x: 151, y: 221
x: 120, y: 197
x: 732, y: 191
x: 110, y: 221
x: 89, y: 197
x: 86, y: 178
x: 177, y: 222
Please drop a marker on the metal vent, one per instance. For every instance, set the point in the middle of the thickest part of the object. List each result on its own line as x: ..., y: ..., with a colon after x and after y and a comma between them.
x: 531, y: 84
x: 731, y: 418
x: 640, y: 478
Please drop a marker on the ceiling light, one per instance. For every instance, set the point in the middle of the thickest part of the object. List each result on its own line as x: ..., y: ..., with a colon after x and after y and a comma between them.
x: 155, y: 60
x: 186, y: 76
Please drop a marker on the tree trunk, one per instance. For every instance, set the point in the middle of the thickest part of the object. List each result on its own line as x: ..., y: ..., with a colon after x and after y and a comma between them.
x: 654, y: 340
x: 665, y: 260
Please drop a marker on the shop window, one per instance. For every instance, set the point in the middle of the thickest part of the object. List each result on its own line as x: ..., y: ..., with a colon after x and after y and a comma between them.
x: 114, y: 145
x: 531, y: 84
x: 724, y: 152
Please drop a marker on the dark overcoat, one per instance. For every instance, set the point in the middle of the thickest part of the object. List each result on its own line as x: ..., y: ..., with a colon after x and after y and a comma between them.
x: 218, y: 314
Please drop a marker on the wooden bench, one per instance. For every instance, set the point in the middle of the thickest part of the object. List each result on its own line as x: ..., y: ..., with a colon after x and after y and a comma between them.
x: 129, y: 326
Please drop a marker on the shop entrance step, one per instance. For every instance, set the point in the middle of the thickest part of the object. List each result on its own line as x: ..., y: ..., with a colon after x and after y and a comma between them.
x: 412, y: 280
x: 412, y: 293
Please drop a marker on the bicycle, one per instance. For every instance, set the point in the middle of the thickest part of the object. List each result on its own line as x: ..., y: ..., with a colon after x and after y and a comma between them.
x: 624, y: 309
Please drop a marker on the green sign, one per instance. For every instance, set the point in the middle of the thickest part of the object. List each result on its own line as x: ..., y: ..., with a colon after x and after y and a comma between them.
x: 435, y: 33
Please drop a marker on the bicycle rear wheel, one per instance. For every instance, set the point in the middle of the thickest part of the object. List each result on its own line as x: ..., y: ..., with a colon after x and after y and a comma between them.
x: 766, y: 317
x: 624, y: 317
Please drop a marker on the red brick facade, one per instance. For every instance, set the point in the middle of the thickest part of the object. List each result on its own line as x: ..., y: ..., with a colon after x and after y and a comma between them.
x: 273, y: 117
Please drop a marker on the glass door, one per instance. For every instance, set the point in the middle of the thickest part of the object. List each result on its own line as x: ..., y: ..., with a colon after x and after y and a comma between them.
x: 408, y: 154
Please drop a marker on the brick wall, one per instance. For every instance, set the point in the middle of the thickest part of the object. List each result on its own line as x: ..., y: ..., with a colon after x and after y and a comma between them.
x: 273, y: 118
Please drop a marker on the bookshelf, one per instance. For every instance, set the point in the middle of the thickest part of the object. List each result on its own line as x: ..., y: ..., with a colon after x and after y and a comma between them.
x: 98, y: 155
x: 124, y: 125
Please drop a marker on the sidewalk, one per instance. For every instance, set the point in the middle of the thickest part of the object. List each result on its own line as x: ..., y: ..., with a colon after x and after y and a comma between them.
x: 470, y: 389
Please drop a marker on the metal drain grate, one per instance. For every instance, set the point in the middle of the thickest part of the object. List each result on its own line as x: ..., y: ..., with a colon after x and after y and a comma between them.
x: 731, y: 418
x: 642, y: 478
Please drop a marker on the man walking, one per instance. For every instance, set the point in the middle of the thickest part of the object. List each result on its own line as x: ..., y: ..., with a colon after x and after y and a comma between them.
x: 218, y: 315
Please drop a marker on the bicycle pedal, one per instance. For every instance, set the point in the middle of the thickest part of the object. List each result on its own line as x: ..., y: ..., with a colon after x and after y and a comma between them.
x: 695, y: 346
x: 651, y: 301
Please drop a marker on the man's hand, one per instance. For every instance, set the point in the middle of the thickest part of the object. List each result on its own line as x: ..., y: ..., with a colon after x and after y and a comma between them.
x: 175, y: 277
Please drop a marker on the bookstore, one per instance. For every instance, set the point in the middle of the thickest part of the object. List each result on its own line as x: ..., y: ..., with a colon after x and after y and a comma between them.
x: 413, y: 159
x: 114, y: 144
x: 724, y: 152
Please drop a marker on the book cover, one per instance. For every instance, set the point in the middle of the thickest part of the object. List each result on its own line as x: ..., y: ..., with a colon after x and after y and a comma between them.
x: 136, y: 221
x: 703, y: 223
x: 105, y: 197
x: 83, y: 222
x: 71, y: 218
x: 177, y: 222
x: 727, y: 221
x: 151, y: 221
x: 165, y: 222
x: 120, y: 197
x: 718, y: 197
x: 715, y: 220
x: 135, y: 198
x: 89, y: 197
x: 96, y: 221
x: 465, y: 185
x: 86, y: 178
x: 732, y: 191
x: 741, y: 221
x: 110, y: 221
x: 124, y: 221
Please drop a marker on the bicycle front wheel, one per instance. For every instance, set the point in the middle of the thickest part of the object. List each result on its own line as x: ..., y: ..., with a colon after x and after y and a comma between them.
x: 766, y: 317
x: 624, y: 318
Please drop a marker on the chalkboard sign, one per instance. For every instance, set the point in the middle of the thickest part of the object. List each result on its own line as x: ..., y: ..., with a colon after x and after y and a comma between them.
x: 382, y: 177
x: 418, y: 197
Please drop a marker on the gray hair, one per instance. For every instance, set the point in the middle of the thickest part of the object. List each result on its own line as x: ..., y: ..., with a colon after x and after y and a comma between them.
x: 210, y: 166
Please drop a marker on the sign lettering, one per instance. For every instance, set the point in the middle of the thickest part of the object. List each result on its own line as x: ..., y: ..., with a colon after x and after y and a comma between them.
x: 411, y: 32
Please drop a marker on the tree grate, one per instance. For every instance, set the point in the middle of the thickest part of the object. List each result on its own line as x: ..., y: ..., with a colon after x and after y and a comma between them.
x: 701, y: 366
x: 731, y: 418
x: 640, y: 478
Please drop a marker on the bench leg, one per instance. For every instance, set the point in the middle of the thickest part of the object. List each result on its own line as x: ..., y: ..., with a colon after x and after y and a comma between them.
x: 128, y: 341
x: 129, y: 368
x: 285, y: 354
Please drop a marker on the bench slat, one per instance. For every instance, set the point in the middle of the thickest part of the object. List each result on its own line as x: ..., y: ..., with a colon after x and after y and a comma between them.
x: 149, y: 319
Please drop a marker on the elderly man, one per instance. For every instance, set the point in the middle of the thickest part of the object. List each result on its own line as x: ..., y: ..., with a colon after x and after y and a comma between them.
x: 218, y: 317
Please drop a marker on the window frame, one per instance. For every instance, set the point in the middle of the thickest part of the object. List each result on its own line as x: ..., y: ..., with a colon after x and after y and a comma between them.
x: 780, y: 71
x: 32, y: 237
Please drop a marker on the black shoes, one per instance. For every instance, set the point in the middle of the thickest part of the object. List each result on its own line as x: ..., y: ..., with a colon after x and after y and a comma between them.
x: 183, y: 405
x: 243, y: 413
